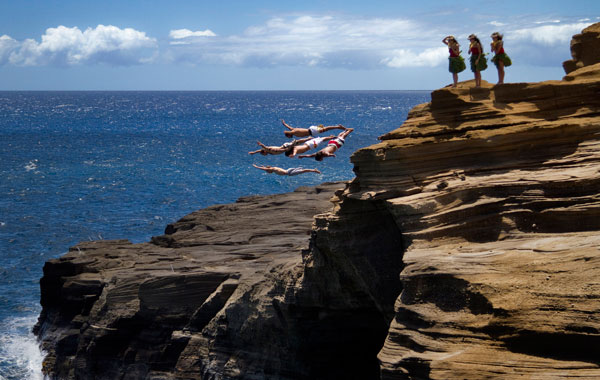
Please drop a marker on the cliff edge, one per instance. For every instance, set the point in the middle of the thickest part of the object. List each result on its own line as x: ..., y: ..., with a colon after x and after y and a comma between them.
x: 467, y: 247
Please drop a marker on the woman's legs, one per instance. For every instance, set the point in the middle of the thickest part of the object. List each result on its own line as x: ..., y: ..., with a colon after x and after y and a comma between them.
x: 455, y: 79
x: 500, y: 72
x: 302, y: 171
x: 345, y: 133
x: 332, y: 127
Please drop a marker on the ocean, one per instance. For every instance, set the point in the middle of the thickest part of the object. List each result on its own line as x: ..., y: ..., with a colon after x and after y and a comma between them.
x: 79, y: 166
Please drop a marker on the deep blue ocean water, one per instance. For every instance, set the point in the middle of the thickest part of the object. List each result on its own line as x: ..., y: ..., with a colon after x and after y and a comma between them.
x: 77, y: 166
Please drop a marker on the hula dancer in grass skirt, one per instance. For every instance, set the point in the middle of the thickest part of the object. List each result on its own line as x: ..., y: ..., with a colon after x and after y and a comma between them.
x: 478, y: 60
x: 456, y: 62
x: 501, y: 60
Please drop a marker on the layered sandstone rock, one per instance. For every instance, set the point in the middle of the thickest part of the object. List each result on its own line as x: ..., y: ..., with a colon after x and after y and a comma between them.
x: 585, y: 49
x: 467, y: 247
x: 496, y: 192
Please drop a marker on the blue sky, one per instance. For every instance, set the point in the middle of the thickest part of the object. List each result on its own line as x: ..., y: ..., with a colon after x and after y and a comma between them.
x: 273, y: 45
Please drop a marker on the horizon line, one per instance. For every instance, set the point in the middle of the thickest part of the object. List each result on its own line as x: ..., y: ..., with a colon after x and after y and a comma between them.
x: 372, y: 90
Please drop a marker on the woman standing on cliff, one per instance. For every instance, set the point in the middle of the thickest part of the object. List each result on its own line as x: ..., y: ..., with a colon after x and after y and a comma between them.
x: 501, y: 60
x: 456, y: 62
x: 478, y: 60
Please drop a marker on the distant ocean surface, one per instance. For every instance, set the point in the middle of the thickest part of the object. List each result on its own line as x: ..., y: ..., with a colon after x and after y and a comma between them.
x: 79, y: 166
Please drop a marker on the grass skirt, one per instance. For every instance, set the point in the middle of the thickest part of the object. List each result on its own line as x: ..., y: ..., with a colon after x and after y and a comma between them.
x: 456, y: 64
x: 502, y: 57
x: 482, y: 65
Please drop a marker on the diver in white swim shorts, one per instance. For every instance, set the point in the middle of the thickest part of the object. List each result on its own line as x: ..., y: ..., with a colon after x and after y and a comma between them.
x: 312, y: 131
x: 332, y: 146
x: 284, y: 148
x: 310, y: 144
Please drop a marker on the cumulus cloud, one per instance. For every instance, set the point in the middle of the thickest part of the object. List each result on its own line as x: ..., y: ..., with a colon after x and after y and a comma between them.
x: 429, y: 57
x: 65, y: 46
x: 324, y: 41
x: 549, y: 35
x: 542, y: 44
x: 496, y: 23
x: 7, y: 46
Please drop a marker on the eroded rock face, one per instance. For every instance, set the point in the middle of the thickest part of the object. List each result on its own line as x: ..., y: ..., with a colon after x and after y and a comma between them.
x: 585, y: 49
x: 235, y: 291
x: 496, y: 192
x: 114, y: 309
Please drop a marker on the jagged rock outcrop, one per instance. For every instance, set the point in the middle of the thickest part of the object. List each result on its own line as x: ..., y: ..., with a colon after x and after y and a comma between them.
x: 226, y: 293
x: 585, y: 49
x: 467, y: 247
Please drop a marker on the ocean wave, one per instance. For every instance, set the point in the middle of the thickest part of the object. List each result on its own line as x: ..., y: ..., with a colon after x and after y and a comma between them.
x: 20, y: 354
x: 32, y: 165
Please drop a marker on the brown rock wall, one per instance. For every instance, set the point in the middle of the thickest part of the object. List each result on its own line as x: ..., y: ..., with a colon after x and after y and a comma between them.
x: 585, y: 49
x: 497, y: 195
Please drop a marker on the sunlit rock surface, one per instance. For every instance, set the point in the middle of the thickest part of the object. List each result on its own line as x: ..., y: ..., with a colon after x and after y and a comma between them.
x: 496, y: 192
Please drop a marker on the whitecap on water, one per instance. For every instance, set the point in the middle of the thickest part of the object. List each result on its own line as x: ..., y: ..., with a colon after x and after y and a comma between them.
x: 20, y: 354
x: 32, y: 165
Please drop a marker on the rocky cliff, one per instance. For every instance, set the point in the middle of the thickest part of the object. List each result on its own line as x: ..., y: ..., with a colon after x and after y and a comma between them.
x: 467, y: 247
x: 496, y: 192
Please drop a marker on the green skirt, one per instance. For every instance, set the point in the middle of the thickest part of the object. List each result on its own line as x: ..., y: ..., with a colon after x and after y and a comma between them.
x: 456, y: 64
x: 482, y: 65
x: 502, y: 57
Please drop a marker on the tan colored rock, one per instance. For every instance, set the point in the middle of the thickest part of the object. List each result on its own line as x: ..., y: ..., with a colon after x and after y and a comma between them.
x: 496, y: 192
x: 585, y: 49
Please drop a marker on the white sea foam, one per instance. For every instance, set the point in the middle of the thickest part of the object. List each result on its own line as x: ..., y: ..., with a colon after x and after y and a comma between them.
x: 20, y: 355
x: 32, y: 165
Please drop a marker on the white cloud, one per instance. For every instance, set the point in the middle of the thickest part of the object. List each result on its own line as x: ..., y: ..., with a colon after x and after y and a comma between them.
x: 428, y: 57
x: 178, y: 34
x: 542, y: 45
x: 496, y: 23
x: 7, y: 45
x: 548, y: 22
x: 326, y: 41
x: 65, y: 46
x: 549, y: 35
